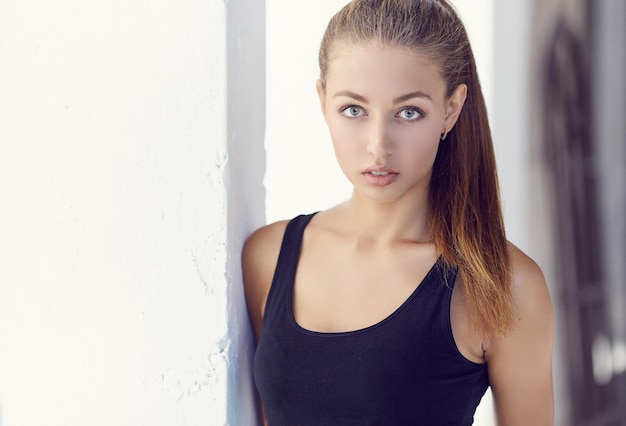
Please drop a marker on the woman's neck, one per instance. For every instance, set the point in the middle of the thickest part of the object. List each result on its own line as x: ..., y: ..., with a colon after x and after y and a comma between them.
x: 401, y: 220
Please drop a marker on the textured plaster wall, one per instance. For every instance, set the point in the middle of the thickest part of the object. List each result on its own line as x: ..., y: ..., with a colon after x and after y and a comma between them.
x: 122, y: 211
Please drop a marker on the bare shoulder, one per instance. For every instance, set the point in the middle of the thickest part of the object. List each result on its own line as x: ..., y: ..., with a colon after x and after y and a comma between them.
x: 529, y: 288
x: 266, y: 238
x: 520, y: 363
x: 259, y: 258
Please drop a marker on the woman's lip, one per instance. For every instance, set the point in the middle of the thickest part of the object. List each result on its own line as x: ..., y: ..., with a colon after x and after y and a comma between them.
x: 378, y: 170
x: 380, y: 177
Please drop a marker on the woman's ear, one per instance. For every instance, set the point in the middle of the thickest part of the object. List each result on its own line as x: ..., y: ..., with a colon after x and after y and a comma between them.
x: 454, y: 105
x: 321, y: 92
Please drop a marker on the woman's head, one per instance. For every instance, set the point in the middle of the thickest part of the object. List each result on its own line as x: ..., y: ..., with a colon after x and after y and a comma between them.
x: 466, y: 218
x: 464, y: 182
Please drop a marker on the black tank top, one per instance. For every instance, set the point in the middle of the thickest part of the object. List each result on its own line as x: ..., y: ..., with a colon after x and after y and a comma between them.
x: 404, y: 370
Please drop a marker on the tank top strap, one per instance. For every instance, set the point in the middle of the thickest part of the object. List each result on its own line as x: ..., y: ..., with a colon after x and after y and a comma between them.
x: 285, y: 271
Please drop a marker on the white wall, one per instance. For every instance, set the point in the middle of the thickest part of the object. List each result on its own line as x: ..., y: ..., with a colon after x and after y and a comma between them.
x: 116, y: 199
x: 302, y: 175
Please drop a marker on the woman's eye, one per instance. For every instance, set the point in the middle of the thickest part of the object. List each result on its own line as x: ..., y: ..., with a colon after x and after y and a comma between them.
x: 352, y: 111
x: 410, y: 114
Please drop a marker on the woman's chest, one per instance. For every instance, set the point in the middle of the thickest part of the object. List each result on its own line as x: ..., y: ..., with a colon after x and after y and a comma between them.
x: 343, y: 289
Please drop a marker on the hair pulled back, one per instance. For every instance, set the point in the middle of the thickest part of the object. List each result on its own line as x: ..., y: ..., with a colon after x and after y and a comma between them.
x: 465, y: 216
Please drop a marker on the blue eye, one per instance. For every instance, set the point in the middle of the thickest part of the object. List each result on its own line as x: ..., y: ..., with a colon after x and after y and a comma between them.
x: 410, y: 114
x: 352, y: 111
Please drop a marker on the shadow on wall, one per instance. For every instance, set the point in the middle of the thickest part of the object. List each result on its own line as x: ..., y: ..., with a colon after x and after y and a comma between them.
x: 246, y: 201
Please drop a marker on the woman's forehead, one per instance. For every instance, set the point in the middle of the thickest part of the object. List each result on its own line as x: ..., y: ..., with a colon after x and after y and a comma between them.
x: 348, y: 50
x: 376, y: 63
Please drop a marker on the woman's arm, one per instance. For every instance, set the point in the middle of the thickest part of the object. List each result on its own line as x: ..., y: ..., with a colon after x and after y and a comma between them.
x: 520, y: 364
x: 259, y: 257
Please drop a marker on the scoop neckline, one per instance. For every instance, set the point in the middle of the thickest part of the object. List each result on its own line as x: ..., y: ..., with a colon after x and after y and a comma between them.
x: 382, y: 322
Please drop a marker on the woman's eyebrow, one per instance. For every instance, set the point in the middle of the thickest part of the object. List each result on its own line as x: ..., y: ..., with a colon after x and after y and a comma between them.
x: 399, y: 99
x: 349, y: 94
x: 418, y: 94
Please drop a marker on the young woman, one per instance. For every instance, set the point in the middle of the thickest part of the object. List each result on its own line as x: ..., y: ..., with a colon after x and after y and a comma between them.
x: 403, y: 304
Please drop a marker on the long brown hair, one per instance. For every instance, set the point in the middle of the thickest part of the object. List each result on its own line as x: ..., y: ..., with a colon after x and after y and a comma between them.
x: 466, y: 218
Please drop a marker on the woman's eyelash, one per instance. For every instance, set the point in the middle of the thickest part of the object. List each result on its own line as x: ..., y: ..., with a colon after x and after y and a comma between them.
x: 415, y: 113
x: 351, y: 111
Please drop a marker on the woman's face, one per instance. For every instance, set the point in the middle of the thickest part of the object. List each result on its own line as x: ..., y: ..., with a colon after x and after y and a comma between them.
x: 386, y: 109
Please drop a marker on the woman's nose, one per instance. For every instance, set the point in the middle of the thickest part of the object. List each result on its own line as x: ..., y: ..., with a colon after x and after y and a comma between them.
x: 379, y: 141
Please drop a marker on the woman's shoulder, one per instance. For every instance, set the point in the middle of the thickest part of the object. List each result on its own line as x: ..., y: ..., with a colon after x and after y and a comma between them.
x: 532, y: 307
x: 262, y: 247
x: 258, y: 259
x: 528, y: 284
x: 267, y: 234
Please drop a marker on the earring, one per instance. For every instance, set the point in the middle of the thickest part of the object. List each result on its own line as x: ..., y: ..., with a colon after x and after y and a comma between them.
x: 444, y: 135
